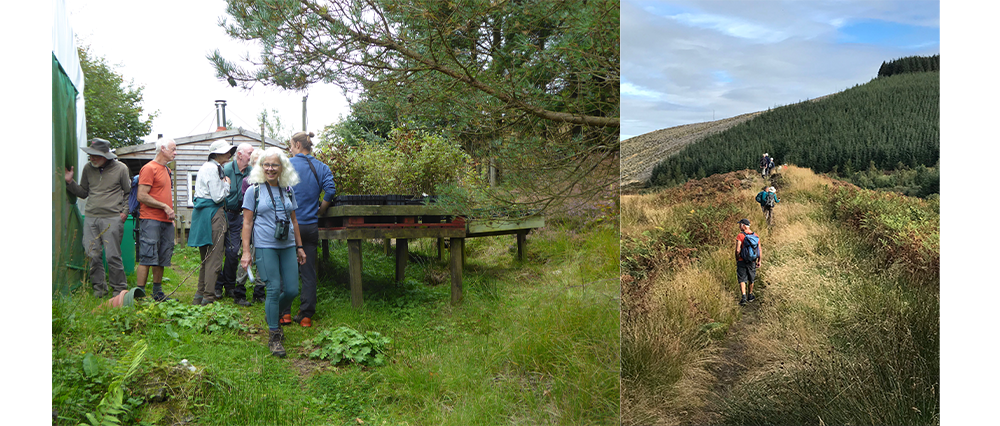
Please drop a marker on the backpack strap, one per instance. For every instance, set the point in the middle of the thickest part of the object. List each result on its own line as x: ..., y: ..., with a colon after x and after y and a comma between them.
x: 315, y: 175
x: 256, y: 200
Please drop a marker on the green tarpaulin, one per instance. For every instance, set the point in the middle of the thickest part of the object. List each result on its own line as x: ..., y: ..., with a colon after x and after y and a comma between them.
x: 68, y: 260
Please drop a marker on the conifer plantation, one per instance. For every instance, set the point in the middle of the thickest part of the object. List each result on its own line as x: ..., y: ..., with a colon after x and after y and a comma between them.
x: 888, y: 124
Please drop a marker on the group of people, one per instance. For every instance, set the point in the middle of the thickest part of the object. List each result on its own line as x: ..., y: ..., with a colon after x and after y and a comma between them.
x: 748, y: 248
x: 262, y: 202
x: 766, y: 165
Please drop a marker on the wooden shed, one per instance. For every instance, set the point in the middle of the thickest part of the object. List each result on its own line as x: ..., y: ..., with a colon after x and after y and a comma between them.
x: 192, y: 152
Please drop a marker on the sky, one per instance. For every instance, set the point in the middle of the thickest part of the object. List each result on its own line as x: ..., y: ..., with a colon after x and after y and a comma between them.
x: 685, y: 62
x: 162, y: 45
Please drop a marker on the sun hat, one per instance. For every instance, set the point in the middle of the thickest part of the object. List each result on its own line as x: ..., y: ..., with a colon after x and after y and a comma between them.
x: 770, y: 189
x: 220, y: 147
x: 100, y: 147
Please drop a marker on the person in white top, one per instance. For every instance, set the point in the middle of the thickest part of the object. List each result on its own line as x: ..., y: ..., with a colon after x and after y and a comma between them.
x: 208, y: 221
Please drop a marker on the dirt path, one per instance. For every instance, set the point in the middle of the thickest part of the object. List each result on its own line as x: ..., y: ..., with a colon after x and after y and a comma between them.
x: 792, y: 228
x: 729, y: 369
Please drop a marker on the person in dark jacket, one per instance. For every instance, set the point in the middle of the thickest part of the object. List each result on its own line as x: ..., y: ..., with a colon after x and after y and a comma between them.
x: 237, y: 171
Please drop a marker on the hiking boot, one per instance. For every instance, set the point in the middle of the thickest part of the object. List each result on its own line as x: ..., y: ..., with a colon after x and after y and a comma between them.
x: 750, y: 298
x: 743, y: 300
x: 160, y: 297
x: 302, y: 320
x: 197, y: 301
x: 285, y: 319
x: 243, y: 302
x: 274, y: 343
x: 205, y: 302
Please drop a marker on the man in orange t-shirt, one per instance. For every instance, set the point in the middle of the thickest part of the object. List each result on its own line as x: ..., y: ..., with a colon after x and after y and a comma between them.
x: 156, y: 217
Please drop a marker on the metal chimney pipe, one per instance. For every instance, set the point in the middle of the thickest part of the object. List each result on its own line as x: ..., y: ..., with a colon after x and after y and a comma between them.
x: 220, y: 114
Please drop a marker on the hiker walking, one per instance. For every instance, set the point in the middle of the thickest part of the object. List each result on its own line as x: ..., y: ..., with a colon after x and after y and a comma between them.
x: 269, y: 221
x: 770, y: 164
x: 748, y: 256
x: 105, y: 184
x: 767, y: 198
x: 764, y: 161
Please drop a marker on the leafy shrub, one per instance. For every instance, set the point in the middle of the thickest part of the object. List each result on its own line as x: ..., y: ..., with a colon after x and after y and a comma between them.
x: 209, y: 318
x: 904, y: 229
x: 345, y: 344
x: 409, y: 163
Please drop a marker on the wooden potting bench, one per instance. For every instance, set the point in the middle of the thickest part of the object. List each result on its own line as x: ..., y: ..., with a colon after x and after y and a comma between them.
x: 355, y: 223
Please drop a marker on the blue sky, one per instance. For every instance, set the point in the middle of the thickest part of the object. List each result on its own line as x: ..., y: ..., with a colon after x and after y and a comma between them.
x: 693, y: 61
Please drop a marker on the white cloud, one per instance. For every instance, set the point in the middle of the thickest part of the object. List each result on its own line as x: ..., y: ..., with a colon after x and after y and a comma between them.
x: 732, y: 26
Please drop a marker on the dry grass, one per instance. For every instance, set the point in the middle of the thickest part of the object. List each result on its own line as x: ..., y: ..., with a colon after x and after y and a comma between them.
x: 828, y: 315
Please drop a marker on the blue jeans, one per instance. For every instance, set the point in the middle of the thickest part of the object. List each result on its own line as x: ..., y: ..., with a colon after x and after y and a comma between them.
x: 278, y: 269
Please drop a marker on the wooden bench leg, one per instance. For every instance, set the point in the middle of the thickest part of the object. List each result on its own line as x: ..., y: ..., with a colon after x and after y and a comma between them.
x: 354, y: 268
x: 402, y: 251
x: 521, y: 238
x: 440, y: 249
x: 388, y: 246
x: 456, y: 270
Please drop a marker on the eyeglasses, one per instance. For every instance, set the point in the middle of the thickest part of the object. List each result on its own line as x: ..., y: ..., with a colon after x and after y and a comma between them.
x: 269, y: 166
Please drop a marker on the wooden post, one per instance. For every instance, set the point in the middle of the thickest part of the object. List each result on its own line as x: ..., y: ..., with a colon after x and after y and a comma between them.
x: 326, y: 250
x: 388, y: 246
x: 402, y: 251
x: 354, y: 268
x: 521, y: 239
x: 440, y: 249
x: 457, y: 245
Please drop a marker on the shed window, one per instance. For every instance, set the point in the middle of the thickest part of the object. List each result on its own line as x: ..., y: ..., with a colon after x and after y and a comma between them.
x: 192, y: 177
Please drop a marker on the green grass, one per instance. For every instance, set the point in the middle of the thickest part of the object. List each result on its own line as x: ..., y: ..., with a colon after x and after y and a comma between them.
x: 534, y: 342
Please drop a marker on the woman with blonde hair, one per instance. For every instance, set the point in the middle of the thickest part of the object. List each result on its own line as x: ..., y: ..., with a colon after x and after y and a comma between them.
x: 269, y: 220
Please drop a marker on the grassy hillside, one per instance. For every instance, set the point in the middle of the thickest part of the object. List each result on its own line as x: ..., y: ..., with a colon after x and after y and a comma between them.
x: 534, y: 342
x: 845, y: 327
x: 641, y: 153
x: 888, y: 123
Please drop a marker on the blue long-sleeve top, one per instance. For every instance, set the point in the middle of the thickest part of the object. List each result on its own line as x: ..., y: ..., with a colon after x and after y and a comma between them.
x: 308, y: 190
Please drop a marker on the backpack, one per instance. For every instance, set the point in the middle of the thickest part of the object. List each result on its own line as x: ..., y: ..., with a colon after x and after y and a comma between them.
x: 769, y: 199
x: 749, y: 250
x: 133, y: 197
